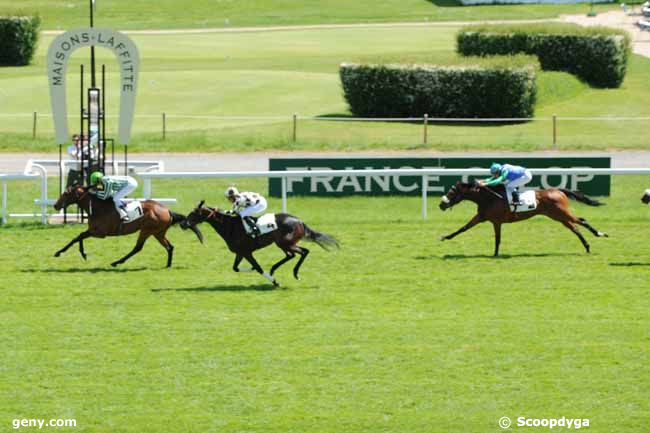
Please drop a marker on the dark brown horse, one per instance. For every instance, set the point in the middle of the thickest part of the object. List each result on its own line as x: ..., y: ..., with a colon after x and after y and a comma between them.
x: 103, y: 220
x: 289, y: 232
x: 553, y: 203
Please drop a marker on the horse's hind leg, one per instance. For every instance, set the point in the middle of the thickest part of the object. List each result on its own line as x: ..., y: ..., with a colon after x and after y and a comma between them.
x: 303, y: 255
x: 574, y: 229
x: 167, y: 246
x: 138, y: 247
x: 583, y: 222
x: 289, y: 255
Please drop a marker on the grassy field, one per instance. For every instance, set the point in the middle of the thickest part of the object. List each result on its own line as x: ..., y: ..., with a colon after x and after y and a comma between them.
x: 394, y: 332
x: 286, y: 72
x: 141, y: 14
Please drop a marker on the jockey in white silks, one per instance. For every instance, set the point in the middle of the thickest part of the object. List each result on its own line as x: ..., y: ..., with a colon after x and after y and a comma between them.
x: 116, y: 187
x: 247, y: 204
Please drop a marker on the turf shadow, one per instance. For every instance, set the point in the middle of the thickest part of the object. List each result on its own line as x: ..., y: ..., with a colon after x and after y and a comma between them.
x: 230, y: 288
x: 490, y: 256
x: 629, y: 264
x: 88, y: 270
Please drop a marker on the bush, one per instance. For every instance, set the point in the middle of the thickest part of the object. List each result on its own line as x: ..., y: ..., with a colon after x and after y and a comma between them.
x: 18, y: 38
x: 449, y: 91
x: 596, y: 55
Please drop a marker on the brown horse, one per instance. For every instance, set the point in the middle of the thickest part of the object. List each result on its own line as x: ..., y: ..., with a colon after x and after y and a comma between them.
x: 103, y: 220
x: 553, y: 203
x: 289, y: 232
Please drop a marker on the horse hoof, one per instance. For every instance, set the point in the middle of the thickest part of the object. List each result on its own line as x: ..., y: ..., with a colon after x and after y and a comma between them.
x: 603, y: 234
x: 57, y: 254
x: 114, y: 264
x: 443, y: 238
x: 296, y: 277
x: 275, y: 284
x: 84, y: 257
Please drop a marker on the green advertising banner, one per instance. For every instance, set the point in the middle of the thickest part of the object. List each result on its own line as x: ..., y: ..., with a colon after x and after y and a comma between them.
x: 412, y: 185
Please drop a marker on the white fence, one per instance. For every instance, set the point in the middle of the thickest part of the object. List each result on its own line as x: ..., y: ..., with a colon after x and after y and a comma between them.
x: 424, y: 173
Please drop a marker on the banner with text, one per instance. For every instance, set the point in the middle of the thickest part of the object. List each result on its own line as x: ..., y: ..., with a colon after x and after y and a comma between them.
x: 412, y: 185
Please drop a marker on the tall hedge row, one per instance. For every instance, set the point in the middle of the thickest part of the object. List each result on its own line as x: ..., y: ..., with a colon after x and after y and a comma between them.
x: 18, y: 38
x: 597, y: 56
x: 412, y: 91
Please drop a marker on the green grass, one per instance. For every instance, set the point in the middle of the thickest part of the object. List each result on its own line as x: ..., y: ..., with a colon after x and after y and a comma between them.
x: 395, y: 332
x: 141, y: 14
x: 286, y: 72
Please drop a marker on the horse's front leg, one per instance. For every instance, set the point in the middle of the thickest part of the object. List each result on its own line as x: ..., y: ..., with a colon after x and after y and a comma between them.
x: 79, y: 239
x: 259, y: 269
x: 477, y: 219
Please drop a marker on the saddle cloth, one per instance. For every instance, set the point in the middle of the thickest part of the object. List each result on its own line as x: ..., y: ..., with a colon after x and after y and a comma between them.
x: 134, y: 210
x: 528, y: 202
x: 266, y: 224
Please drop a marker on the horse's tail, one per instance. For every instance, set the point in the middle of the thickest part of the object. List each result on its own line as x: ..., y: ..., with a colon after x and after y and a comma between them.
x: 325, y: 241
x: 577, y: 195
x: 180, y: 218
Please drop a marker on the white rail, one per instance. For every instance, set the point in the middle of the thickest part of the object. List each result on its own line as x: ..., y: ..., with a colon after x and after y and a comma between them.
x: 424, y: 173
x: 41, y: 173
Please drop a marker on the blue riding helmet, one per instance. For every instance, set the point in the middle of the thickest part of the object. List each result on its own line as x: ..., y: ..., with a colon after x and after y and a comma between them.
x: 495, y: 168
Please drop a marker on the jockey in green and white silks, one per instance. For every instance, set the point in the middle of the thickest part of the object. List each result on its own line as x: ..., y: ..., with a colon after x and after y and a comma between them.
x: 246, y: 204
x: 116, y: 187
x: 511, y: 176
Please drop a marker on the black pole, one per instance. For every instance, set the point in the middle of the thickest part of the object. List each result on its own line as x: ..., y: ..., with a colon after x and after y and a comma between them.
x: 92, y: 48
x: 102, y: 119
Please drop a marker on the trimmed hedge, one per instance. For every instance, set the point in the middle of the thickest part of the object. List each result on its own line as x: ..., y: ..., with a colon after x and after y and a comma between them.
x: 412, y: 91
x: 18, y: 38
x: 596, y: 55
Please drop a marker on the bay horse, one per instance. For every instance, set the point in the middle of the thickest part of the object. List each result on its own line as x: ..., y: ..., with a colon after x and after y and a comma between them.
x: 289, y: 232
x: 492, y: 206
x: 103, y: 220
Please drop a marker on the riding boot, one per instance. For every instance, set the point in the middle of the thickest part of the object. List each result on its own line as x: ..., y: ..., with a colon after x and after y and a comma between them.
x: 255, y: 231
x: 515, y: 198
x: 123, y: 215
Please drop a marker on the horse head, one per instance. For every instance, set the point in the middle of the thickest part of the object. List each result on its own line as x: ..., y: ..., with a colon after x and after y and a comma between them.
x: 456, y: 194
x: 198, y: 215
x: 73, y: 194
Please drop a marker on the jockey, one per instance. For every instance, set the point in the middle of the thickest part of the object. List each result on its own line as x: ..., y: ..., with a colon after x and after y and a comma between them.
x: 511, y: 176
x: 116, y: 187
x: 245, y: 204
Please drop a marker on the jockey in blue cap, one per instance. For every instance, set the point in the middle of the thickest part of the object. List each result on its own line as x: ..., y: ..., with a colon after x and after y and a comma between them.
x: 511, y: 176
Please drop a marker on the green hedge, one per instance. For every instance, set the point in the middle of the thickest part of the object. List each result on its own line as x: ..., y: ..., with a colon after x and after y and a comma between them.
x: 449, y: 91
x: 18, y: 38
x: 596, y: 55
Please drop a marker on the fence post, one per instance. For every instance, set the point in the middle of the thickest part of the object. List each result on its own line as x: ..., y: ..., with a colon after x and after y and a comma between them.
x: 164, y: 125
x: 34, y: 125
x: 554, y: 131
x: 426, y: 122
x: 284, y: 194
x: 425, y: 182
x: 295, y: 126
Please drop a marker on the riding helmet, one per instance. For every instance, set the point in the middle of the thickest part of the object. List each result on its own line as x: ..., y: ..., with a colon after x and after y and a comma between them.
x: 95, y: 177
x: 231, y: 192
x: 495, y: 168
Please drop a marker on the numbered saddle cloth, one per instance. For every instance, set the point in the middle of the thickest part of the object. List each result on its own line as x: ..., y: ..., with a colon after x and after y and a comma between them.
x: 528, y: 200
x: 266, y: 224
x: 134, y: 210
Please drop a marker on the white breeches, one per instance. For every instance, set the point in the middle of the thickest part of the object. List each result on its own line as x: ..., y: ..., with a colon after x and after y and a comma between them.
x: 521, y: 181
x: 117, y: 198
x: 256, y: 208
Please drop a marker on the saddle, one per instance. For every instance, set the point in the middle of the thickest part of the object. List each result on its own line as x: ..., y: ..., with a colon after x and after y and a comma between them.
x: 527, y: 199
x: 265, y: 224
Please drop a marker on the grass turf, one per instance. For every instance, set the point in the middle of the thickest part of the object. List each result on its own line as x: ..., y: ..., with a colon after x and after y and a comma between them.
x: 394, y: 332
x: 281, y: 73
x: 141, y: 14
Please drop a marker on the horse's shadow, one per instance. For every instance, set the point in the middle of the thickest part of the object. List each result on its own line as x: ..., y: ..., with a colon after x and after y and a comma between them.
x: 490, y: 256
x: 629, y: 264
x: 226, y: 288
x: 95, y: 270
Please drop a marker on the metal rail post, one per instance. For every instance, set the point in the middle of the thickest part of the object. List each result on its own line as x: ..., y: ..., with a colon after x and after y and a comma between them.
x: 425, y: 123
x: 425, y: 182
x: 284, y: 194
